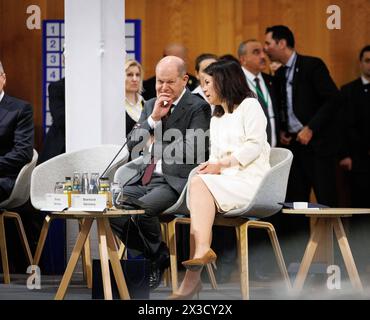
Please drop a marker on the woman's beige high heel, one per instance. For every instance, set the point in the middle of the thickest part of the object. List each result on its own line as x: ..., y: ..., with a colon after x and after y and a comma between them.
x: 197, y: 264
x: 179, y: 296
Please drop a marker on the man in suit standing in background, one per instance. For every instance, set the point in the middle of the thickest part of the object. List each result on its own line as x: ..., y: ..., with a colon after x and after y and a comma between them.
x: 309, y: 123
x: 168, y: 126
x: 355, y: 152
x: 16, y: 137
x: 55, y: 141
x: 253, y: 61
x: 355, y: 156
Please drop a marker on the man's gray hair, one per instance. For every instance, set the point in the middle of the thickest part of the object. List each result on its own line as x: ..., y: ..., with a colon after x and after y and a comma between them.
x: 242, y: 50
x: 1, y: 68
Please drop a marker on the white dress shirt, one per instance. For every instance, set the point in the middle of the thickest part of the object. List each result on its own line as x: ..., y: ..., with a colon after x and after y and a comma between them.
x: 294, y: 125
x: 270, y: 110
x: 153, y: 124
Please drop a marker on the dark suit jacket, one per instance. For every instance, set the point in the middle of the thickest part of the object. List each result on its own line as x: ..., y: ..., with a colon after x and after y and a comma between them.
x: 190, y: 113
x: 356, y: 117
x: 149, y: 86
x: 16, y: 139
x: 273, y: 88
x: 314, y: 102
x: 55, y: 141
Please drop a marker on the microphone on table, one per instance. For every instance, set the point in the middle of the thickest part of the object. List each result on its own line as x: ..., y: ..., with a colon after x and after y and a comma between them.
x: 136, y: 126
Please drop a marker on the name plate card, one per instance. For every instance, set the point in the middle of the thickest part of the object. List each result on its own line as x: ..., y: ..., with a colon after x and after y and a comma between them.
x: 88, y: 202
x: 55, y: 202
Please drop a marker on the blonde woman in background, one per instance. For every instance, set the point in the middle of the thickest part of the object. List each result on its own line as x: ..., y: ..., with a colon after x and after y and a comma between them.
x: 134, y: 102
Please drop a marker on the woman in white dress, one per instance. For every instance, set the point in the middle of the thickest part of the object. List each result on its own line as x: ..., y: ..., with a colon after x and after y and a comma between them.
x: 239, y: 160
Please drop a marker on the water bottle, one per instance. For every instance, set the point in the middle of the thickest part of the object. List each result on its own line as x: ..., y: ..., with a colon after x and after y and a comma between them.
x: 104, y: 188
x: 85, y: 183
x: 76, y: 187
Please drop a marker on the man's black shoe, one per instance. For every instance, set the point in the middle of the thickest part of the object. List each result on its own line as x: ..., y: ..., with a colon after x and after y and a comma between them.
x: 158, y: 266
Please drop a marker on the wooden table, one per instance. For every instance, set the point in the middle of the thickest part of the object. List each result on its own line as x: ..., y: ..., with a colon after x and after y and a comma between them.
x: 107, y: 249
x: 324, y: 222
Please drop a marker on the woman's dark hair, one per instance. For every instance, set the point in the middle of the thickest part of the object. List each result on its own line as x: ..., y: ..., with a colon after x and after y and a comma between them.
x: 229, y: 83
x: 202, y: 57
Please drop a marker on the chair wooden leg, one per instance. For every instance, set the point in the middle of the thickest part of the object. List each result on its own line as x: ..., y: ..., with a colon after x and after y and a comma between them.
x: 278, y: 254
x: 121, y: 247
x: 171, y: 229
x: 42, y: 238
x: 4, y: 252
x: 167, y: 273
x: 211, y: 276
x: 243, y: 256
x: 22, y: 233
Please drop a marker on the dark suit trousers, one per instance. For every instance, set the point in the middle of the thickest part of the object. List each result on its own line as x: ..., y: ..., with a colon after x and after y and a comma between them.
x: 144, y: 232
x: 310, y: 170
x: 3, y: 194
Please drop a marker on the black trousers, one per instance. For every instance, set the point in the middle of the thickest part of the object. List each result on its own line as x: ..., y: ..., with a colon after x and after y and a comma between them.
x: 3, y: 194
x: 142, y: 233
x: 310, y: 170
x: 359, y: 225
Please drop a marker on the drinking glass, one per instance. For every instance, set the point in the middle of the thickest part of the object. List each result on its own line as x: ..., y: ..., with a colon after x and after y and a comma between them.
x: 116, y: 192
x: 94, y: 183
x: 59, y: 187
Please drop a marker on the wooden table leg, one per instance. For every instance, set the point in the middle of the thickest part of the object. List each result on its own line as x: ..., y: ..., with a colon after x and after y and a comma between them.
x: 347, y: 254
x: 104, y: 261
x: 40, y: 244
x: 115, y: 262
x: 325, y: 251
x: 86, y: 259
x: 309, y: 254
x: 85, y: 229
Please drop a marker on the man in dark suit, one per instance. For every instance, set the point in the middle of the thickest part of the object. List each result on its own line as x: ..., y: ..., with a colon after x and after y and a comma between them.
x: 355, y: 151
x: 309, y: 118
x: 16, y: 138
x: 355, y: 154
x: 253, y: 61
x: 173, y: 49
x: 169, y: 125
x: 309, y: 123
x: 55, y: 141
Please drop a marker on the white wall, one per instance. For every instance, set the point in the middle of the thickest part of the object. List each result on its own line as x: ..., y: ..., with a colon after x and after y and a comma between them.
x: 95, y: 55
x: 94, y: 71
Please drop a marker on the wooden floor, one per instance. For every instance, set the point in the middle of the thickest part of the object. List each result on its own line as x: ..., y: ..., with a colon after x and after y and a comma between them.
x: 315, y: 288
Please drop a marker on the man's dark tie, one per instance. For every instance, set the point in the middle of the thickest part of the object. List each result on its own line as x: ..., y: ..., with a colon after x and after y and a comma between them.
x: 264, y: 108
x: 148, y: 173
x: 259, y: 93
x: 284, y: 96
x: 165, y: 118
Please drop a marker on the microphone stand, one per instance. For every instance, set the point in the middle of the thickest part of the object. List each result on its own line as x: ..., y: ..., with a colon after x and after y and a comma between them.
x: 119, y: 151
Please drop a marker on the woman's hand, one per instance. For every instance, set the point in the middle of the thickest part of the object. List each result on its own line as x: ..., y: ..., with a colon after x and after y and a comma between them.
x: 209, y: 168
